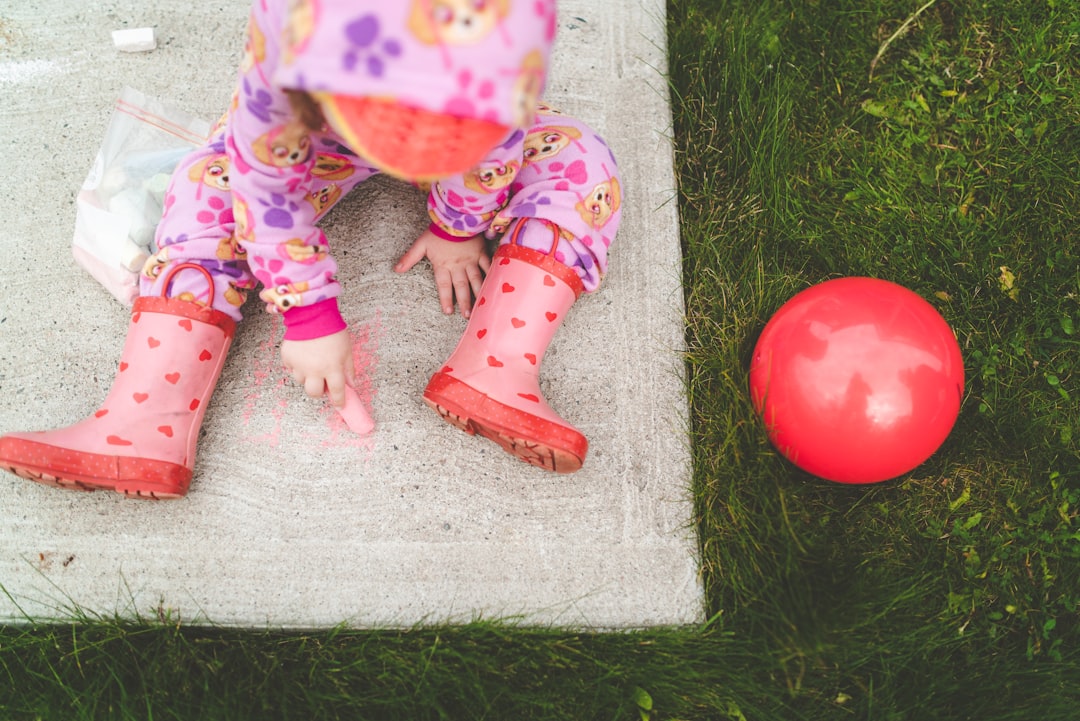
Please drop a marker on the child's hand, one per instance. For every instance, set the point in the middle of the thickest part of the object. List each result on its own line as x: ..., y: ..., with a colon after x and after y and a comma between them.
x: 321, y: 365
x: 459, y: 268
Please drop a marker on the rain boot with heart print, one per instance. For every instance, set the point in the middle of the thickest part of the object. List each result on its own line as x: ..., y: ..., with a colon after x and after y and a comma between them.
x: 490, y: 384
x: 141, y: 440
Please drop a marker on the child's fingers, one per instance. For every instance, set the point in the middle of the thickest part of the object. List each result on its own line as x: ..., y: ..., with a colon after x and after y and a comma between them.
x: 350, y: 373
x: 335, y: 388
x: 445, y: 285
x: 411, y: 257
x: 463, y: 292
x: 476, y: 280
x: 314, y: 386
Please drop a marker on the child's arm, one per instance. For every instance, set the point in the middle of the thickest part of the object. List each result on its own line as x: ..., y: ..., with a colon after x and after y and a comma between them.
x: 461, y: 209
x: 271, y: 154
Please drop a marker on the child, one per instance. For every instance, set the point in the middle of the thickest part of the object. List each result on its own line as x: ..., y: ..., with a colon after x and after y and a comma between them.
x: 330, y: 93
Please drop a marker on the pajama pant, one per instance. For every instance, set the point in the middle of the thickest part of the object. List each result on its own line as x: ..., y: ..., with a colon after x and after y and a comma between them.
x: 198, y: 225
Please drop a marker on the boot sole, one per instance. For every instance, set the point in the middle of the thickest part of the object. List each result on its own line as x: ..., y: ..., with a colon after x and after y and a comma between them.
x: 536, y: 441
x: 135, y: 477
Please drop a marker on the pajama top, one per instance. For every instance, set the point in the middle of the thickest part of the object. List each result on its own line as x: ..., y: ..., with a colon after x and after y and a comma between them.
x: 478, y: 59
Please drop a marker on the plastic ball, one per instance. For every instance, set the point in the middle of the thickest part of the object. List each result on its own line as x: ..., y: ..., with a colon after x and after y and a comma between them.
x: 858, y: 380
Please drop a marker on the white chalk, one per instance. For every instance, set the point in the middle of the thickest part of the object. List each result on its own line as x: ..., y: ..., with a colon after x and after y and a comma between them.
x: 143, y: 216
x: 133, y: 257
x: 158, y: 185
x: 134, y: 40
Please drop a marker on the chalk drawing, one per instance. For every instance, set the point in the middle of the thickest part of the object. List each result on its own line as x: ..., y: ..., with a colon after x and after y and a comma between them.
x: 272, y: 386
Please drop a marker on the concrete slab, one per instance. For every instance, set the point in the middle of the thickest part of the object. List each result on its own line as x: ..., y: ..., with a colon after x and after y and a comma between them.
x: 291, y: 521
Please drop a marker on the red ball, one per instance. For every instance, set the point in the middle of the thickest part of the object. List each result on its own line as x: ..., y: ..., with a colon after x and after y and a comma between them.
x: 858, y: 380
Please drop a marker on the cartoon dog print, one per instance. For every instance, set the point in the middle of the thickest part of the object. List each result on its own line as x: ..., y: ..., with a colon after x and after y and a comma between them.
x: 331, y: 166
x: 254, y: 47
x: 212, y: 171
x: 548, y: 141
x: 501, y: 223
x: 456, y: 22
x: 490, y: 180
x: 545, y: 109
x: 296, y: 250
x: 599, y: 205
x: 190, y: 297
x: 156, y: 263
x: 529, y: 83
x: 283, y: 297
x: 234, y: 295
x: 322, y: 200
x: 284, y: 146
x: 498, y: 226
x: 230, y: 249
x: 303, y: 18
x: 245, y: 220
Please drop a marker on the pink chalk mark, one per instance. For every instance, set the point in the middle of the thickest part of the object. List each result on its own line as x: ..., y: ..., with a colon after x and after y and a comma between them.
x: 349, y: 427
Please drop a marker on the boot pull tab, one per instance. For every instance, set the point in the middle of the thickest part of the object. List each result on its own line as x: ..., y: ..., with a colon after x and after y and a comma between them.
x: 183, y: 266
x: 554, y: 232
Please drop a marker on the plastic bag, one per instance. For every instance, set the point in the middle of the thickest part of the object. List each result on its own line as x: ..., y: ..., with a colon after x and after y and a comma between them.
x: 120, y: 203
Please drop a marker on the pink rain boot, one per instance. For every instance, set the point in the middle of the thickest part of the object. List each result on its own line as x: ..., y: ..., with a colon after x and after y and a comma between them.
x: 490, y: 384
x: 141, y: 441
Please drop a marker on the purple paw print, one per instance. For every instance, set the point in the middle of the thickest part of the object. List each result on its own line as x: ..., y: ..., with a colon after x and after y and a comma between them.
x: 178, y: 240
x: 363, y: 36
x: 277, y: 215
x: 461, y: 221
x: 527, y: 207
x: 515, y: 137
x: 257, y: 102
x: 220, y: 267
x: 461, y: 212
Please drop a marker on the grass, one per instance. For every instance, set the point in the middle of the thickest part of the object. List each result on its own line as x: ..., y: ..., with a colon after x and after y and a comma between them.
x: 814, y: 140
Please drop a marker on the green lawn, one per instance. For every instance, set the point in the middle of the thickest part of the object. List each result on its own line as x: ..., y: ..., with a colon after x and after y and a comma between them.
x: 815, y: 139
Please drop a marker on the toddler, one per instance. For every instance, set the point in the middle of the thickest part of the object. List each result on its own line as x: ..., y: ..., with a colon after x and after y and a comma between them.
x: 331, y: 92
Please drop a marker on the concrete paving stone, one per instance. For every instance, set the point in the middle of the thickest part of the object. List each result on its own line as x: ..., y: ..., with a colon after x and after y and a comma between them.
x: 291, y: 521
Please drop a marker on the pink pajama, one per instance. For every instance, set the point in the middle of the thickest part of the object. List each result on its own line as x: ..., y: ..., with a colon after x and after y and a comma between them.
x: 246, y: 205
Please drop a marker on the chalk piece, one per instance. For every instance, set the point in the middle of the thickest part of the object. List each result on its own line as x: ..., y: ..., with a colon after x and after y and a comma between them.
x: 157, y: 185
x: 355, y: 415
x: 132, y: 257
x: 134, y: 40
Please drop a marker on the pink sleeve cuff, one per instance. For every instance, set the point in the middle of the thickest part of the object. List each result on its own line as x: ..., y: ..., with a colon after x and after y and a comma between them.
x: 439, y: 232
x: 307, y: 322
